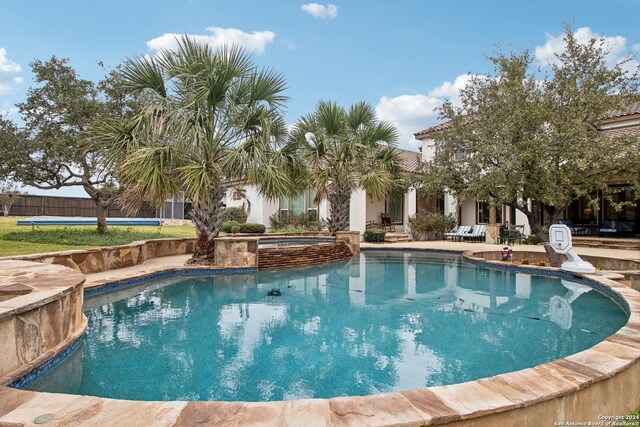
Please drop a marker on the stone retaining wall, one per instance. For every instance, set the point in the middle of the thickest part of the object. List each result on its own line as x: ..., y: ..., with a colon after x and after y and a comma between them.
x: 300, y: 256
x: 603, y: 263
x: 90, y: 261
x: 40, y: 315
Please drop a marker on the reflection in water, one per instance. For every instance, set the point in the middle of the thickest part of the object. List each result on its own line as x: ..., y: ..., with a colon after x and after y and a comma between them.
x: 380, y: 322
x: 560, y: 311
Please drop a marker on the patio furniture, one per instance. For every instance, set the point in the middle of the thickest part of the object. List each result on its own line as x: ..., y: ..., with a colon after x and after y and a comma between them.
x: 371, y: 224
x: 513, y: 234
x: 459, y: 233
x: 386, y: 222
x: 575, y: 230
x: 612, y: 227
x: 477, y: 234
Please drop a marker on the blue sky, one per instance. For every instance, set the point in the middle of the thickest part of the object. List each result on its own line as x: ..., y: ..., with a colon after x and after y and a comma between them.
x: 404, y: 57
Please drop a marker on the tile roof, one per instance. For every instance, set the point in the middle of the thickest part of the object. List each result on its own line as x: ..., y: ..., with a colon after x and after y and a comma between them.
x: 410, y: 159
x: 633, y: 130
x: 634, y: 108
x: 436, y: 128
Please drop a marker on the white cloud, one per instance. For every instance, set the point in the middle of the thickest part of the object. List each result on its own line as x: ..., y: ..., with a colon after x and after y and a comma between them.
x: 410, y: 114
x: 328, y: 11
x: 7, y: 68
x: 7, y: 65
x: 256, y: 41
x: 413, y: 113
x: 636, y: 47
x: 450, y: 90
x: 616, y: 45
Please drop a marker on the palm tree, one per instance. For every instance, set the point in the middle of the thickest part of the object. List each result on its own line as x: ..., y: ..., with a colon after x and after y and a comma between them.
x: 344, y: 151
x: 210, y: 120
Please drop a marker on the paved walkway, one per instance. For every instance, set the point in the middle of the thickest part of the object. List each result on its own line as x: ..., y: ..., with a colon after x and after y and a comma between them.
x: 178, y: 261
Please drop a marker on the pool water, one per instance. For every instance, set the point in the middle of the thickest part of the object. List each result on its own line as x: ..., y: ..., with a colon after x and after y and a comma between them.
x: 384, y: 321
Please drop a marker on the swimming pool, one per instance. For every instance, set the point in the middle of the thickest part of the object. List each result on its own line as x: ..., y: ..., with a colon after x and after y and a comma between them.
x: 383, y: 321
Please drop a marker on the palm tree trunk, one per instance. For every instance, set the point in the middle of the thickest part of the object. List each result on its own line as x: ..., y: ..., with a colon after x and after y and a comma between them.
x: 207, y: 217
x: 339, y: 207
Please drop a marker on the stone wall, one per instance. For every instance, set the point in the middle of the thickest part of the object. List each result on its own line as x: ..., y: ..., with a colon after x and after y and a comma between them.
x: 300, y: 256
x: 351, y: 238
x: 603, y: 263
x: 40, y: 315
x: 89, y: 261
x: 236, y: 252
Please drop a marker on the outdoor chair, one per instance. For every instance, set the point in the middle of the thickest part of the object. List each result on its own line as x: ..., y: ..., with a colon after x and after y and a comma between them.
x: 477, y: 234
x: 612, y: 227
x: 371, y: 224
x: 462, y: 231
x: 513, y: 234
x: 386, y: 222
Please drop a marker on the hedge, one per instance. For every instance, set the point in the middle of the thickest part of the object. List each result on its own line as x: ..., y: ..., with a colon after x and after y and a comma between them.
x: 233, y: 213
x: 228, y: 225
x: 374, y: 235
x: 252, y: 228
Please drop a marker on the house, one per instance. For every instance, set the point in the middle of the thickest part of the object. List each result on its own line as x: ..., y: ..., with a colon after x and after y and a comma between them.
x: 363, y: 209
x: 471, y: 211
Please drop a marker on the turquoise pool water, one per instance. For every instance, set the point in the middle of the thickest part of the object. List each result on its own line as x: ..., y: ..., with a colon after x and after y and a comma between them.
x: 384, y: 321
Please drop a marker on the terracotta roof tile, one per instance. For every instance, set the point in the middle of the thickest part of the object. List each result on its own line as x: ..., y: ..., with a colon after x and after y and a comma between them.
x: 633, y: 108
x: 410, y: 159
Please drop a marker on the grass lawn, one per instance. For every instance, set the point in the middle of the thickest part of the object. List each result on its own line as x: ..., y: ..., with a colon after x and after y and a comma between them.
x: 25, y: 240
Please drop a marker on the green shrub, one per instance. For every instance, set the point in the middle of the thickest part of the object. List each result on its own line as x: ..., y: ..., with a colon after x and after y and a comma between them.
x: 228, y: 225
x: 532, y: 239
x: 303, y: 221
x: 235, y: 229
x: 234, y: 214
x: 431, y: 226
x: 374, y: 235
x: 252, y: 228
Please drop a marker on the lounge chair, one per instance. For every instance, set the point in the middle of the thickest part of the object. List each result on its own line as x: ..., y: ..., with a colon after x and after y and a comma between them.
x: 462, y: 231
x: 386, y: 222
x: 477, y: 234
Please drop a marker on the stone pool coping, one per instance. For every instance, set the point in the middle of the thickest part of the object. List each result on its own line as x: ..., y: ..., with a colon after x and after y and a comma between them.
x: 580, y: 387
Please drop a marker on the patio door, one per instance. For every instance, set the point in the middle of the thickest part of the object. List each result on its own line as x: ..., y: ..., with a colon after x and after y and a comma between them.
x: 394, y: 206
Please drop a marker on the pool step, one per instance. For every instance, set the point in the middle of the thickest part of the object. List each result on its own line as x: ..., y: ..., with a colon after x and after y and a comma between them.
x: 396, y: 237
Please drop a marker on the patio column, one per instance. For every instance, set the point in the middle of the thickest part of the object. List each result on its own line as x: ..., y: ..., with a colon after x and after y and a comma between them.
x: 358, y: 211
x: 412, y: 205
x: 493, y: 230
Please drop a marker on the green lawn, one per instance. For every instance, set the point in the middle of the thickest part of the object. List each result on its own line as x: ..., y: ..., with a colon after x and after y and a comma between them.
x: 25, y: 240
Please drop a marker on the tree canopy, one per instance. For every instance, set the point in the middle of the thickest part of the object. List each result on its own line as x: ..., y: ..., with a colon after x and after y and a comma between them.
x: 345, y: 150
x: 210, y: 120
x: 521, y: 135
x: 54, y: 149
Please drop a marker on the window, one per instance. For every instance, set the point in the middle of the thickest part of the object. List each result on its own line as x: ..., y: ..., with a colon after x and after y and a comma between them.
x: 300, y: 204
x: 483, y: 210
x: 312, y: 208
x: 394, y: 206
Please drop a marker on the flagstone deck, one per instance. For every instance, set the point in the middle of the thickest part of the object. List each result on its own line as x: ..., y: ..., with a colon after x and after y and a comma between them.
x: 600, y: 381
